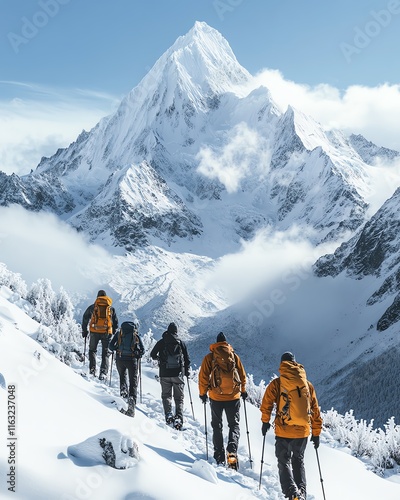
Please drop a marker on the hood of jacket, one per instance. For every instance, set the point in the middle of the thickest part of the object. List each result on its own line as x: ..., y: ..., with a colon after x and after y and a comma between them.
x: 170, y: 337
x: 217, y: 344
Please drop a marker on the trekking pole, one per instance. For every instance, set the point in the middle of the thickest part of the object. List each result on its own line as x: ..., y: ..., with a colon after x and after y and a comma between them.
x: 140, y: 379
x: 262, y: 461
x: 320, y: 475
x: 190, y: 397
x: 248, y: 434
x: 84, y: 353
x: 112, y: 361
x: 205, y: 426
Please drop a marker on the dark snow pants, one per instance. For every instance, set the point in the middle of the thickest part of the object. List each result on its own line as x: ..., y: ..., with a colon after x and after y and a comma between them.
x: 232, y: 413
x: 95, y: 338
x: 127, y: 368
x: 290, y: 455
x: 175, y: 386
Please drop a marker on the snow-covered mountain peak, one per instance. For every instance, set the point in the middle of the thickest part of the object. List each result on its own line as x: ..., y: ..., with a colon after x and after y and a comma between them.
x: 200, y: 63
x: 207, y: 56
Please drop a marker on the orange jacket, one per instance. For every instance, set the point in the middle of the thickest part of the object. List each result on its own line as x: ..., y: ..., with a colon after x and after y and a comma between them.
x: 205, y: 372
x: 270, y: 399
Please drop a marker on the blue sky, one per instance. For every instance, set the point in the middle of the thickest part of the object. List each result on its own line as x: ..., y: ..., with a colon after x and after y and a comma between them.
x: 108, y: 46
x: 77, y: 58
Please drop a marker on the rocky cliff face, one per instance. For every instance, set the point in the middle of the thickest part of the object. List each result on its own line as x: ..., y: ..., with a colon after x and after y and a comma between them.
x: 373, y: 251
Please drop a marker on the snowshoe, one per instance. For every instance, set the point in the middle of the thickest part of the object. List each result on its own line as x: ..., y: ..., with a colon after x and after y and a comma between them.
x: 169, y: 418
x: 102, y: 376
x: 232, y: 461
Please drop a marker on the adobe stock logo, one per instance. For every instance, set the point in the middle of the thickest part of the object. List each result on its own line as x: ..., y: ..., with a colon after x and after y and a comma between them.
x: 364, y: 36
x: 30, y: 27
x: 221, y: 7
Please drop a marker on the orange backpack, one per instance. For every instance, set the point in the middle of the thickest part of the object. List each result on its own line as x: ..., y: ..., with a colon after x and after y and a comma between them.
x: 101, y: 320
x: 224, y: 377
x: 293, y: 405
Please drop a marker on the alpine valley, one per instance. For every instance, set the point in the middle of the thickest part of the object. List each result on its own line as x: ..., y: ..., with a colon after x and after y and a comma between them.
x: 224, y: 212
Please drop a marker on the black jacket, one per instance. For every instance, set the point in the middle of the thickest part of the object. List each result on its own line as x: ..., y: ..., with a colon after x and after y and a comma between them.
x: 159, y: 347
x: 88, y: 314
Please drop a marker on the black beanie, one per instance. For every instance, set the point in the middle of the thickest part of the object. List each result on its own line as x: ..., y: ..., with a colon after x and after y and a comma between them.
x: 172, y: 328
x: 221, y: 337
x: 287, y: 356
x: 101, y: 293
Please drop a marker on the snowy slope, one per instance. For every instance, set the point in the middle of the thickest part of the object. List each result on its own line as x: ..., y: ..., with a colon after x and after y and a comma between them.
x: 61, y: 416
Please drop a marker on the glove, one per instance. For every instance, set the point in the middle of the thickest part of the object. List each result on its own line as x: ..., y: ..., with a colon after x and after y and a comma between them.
x: 137, y: 353
x: 265, y: 428
x: 244, y: 395
x: 84, y: 333
x: 315, y: 440
x: 204, y: 398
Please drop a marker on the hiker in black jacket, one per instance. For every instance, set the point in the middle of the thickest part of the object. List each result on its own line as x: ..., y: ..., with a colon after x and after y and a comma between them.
x: 129, y: 349
x: 174, y: 363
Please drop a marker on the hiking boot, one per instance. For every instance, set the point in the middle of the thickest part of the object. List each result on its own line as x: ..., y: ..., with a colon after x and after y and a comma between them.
x: 102, y: 376
x: 92, y: 371
x: 131, y: 407
x: 130, y: 412
x: 169, y: 418
x: 178, y: 423
x: 297, y: 496
x: 232, y: 460
x: 219, y: 457
x: 302, y: 495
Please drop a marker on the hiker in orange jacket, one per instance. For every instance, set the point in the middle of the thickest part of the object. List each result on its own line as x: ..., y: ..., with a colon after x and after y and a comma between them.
x: 224, y: 387
x: 292, y: 427
x: 99, y: 332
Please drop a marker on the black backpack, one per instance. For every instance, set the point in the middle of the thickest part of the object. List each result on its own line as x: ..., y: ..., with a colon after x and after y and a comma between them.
x: 172, y: 355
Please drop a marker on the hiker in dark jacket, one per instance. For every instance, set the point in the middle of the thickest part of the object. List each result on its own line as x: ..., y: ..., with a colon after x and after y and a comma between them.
x: 100, y: 333
x: 129, y: 349
x: 172, y: 374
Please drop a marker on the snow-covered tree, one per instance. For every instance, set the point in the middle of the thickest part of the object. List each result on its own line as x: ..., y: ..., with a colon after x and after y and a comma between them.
x: 148, y: 343
x: 13, y: 281
x: 41, y: 295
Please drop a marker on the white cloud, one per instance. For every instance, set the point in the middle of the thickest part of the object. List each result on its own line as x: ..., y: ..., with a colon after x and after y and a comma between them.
x: 272, y: 257
x: 370, y: 111
x: 41, y: 120
x: 242, y: 153
x: 385, y: 178
x: 41, y: 246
